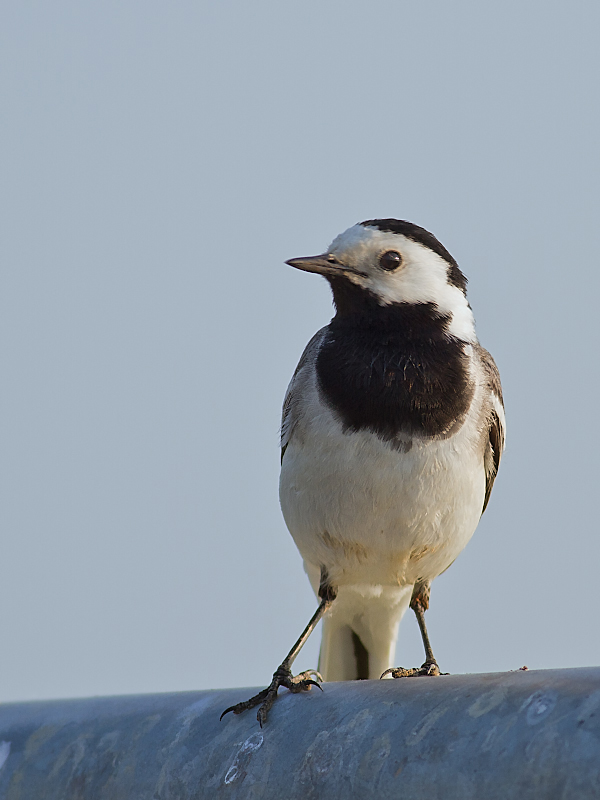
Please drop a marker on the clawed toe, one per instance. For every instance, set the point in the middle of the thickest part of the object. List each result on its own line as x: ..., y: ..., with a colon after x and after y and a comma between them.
x: 238, y: 708
x: 429, y: 668
x: 281, y: 677
x: 303, y: 681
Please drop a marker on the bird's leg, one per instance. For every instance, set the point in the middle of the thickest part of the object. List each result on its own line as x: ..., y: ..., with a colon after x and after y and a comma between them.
x: 283, y: 674
x: 419, y: 604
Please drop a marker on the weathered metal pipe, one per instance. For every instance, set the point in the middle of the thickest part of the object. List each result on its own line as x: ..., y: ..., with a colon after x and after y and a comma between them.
x: 505, y: 735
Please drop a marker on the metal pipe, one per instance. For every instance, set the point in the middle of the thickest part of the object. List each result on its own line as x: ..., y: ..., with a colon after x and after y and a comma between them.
x: 522, y: 735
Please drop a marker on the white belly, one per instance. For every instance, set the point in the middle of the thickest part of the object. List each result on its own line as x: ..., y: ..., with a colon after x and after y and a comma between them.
x: 373, y: 515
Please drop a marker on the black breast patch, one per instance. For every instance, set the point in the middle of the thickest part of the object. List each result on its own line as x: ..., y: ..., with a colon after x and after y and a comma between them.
x: 395, y: 371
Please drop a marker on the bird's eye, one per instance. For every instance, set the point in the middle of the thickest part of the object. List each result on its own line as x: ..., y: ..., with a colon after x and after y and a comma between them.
x: 390, y: 260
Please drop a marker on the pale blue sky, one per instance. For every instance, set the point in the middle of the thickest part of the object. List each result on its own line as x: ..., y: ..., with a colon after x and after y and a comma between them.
x: 160, y: 162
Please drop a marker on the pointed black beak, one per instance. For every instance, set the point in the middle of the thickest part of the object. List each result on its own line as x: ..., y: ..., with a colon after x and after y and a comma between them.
x: 324, y: 264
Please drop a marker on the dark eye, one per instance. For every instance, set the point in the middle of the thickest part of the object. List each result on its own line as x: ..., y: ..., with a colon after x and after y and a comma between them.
x: 390, y: 260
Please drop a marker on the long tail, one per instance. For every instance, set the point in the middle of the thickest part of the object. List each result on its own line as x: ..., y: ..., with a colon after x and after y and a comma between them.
x: 359, y: 635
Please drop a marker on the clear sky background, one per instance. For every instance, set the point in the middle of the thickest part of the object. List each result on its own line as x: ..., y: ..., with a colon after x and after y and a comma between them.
x: 160, y: 161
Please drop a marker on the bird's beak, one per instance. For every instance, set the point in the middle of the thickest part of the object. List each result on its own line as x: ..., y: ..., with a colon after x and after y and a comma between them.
x: 325, y: 264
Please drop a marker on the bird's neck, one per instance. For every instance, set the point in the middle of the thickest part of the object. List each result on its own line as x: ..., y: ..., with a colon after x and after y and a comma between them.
x: 395, y: 369
x: 360, y: 310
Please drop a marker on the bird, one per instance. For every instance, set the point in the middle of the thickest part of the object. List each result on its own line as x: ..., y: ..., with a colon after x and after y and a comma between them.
x: 392, y: 431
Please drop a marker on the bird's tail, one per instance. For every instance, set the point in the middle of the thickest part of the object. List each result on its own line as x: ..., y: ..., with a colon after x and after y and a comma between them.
x: 359, y: 635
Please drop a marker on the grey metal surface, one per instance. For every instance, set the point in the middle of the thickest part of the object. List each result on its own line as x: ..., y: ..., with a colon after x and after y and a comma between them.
x: 505, y: 735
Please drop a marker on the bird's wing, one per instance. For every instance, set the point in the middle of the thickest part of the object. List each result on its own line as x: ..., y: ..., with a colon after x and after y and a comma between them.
x: 292, y: 401
x: 494, y: 423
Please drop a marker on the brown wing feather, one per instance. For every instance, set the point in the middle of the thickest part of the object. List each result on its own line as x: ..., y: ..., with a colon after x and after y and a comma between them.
x: 493, y: 454
x: 494, y: 444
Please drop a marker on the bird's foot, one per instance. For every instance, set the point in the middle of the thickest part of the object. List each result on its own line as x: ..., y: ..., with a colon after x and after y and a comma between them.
x: 428, y: 668
x: 281, y: 677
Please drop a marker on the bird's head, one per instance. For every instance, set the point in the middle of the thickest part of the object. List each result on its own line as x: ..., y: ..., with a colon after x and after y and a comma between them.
x: 393, y: 262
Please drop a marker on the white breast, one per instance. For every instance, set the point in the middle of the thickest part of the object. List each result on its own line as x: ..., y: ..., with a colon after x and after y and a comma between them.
x: 371, y: 514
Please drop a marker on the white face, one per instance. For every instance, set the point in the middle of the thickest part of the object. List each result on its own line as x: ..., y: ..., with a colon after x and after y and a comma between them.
x: 421, y: 277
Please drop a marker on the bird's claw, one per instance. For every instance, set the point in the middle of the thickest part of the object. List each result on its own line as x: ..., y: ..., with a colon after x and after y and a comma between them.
x: 281, y: 677
x: 428, y: 668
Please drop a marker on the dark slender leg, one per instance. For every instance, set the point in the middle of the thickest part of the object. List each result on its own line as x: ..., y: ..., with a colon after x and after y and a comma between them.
x: 430, y: 667
x: 419, y: 604
x: 283, y: 674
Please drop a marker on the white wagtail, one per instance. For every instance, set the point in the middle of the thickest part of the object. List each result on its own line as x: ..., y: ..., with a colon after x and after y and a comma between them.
x: 392, y: 432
